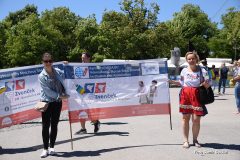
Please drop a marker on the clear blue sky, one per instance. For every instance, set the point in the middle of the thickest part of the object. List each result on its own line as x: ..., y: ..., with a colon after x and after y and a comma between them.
x: 84, y: 8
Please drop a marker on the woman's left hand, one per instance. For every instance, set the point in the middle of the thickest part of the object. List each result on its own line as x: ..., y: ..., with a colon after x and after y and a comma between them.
x: 205, y: 84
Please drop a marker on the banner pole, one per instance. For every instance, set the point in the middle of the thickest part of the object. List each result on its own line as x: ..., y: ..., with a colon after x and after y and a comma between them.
x: 169, y: 107
x: 170, y: 116
x: 70, y: 124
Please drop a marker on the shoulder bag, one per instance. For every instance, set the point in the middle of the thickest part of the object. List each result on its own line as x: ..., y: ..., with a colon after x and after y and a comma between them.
x: 206, y: 95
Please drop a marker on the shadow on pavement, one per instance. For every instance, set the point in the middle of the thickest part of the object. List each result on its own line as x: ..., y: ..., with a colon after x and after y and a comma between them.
x: 221, y: 99
x: 37, y: 147
x: 99, y: 152
x: 110, y: 133
x: 113, y: 123
x: 222, y: 146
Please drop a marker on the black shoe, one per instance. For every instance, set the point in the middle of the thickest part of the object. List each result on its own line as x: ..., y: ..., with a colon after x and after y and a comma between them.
x: 81, y: 131
x: 96, y: 126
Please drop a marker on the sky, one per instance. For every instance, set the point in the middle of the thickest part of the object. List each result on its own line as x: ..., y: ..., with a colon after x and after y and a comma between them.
x: 84, y: 8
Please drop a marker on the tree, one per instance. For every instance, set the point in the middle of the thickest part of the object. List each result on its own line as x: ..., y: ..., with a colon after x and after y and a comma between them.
x: 226, y: 41
x: 86, y: 33
x: 193, y: 25
x: 60, y: 24
x: 26, y: 42
x: 3, y: 39
x: 15, y: 17
x: 133, y: 34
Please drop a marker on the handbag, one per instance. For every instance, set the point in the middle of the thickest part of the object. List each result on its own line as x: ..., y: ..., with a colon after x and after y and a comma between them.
x: 206, y: 95
x: 41, y: 106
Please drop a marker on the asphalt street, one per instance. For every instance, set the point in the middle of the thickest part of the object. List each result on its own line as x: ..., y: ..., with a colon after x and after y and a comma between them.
x: 134, y: 138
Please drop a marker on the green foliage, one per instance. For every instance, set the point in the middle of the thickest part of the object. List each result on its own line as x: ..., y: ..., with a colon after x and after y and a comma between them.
x: 60, y: 24
x: 25, y: 41
x: 132, y: 33
x: 193, y: 25
x: 225, y: 42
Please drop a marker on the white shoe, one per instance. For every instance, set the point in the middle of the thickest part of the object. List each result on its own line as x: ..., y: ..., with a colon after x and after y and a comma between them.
x: 51, y: 151
x: 44, y: 153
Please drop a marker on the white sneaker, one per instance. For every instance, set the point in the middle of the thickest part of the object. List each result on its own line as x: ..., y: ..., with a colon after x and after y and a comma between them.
x: 44, y: 153
x: 51, y: 151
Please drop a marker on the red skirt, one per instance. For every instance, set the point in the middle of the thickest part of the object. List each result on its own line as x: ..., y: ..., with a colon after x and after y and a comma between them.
x: 189, y: 101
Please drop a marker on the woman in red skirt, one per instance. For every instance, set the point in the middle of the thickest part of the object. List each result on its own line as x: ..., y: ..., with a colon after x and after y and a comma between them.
x: 190, y: 105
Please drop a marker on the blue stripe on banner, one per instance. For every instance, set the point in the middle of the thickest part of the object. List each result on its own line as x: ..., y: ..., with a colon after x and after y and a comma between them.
x: 69, y: 72
x: 163, y: 69
x: 16, y: 72
x: 110, y: 71
x: 114, y: 71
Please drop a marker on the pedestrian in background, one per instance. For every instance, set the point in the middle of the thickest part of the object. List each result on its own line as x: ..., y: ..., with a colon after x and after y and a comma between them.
x: 214, y: 74
x: 223, y: 75
x: 86, y: 58
x: 236, y: 79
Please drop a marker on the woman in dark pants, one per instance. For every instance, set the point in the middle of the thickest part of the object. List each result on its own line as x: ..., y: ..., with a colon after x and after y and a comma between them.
x: 53, y: 91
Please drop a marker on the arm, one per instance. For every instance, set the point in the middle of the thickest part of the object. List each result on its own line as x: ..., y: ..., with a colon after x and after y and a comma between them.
x: 49, y: 92
x: 174, y: 82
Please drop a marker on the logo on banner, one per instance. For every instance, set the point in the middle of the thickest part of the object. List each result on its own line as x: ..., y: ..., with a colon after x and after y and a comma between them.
x: 20, y: 84
x: 100, y: 88
x: 2, y: 89
x: 89, y: 87
x: 83, y: 115
x: 6, y: 121
x: 9, y: 86
x: 80, y: 89
x: 150, y: 68
x: 82, y: 72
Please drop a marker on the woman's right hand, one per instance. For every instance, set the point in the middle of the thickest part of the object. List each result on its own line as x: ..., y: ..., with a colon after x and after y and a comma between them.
x: 64, y: 96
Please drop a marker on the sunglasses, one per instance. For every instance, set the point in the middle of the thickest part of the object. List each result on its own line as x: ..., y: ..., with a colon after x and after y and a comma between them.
x: 47, y: 61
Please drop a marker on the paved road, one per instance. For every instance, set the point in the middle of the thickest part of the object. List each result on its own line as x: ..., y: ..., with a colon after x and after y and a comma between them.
x: 134, y: 138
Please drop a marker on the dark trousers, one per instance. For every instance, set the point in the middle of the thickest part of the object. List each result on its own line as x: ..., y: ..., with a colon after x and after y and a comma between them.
x: 50, y: 117
x: 222, y: 81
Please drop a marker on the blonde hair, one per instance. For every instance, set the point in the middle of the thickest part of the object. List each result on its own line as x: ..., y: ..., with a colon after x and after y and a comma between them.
x: 194, y: 53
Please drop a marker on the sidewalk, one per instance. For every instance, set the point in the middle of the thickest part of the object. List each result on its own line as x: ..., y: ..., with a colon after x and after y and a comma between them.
x: 134, y: 138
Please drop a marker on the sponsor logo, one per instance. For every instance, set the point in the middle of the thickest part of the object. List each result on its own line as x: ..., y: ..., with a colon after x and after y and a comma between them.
x: 150, y: 68
x: 7, y: 108
x: 6, y: 121
x: 100, y: 88
x: 83, y: 115
x: 28, y: 91
x: 89, y: 87
x: 96, y: 91
x: 2, y: 89
x: 80, y: 89
x: 82, y: 72
x: 20, y: 84
x: 9, y: 86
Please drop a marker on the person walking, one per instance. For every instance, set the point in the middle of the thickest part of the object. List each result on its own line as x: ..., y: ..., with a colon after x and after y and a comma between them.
x: 236, y: 79
x: 53, y: 92
x: 190, y: 106
x: 214, y: 74
x: 223, y: 74
x: 86, y: 58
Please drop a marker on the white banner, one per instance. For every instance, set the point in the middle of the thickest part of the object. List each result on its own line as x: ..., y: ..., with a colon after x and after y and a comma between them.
x: 19, y: 92
x: 109, y: 90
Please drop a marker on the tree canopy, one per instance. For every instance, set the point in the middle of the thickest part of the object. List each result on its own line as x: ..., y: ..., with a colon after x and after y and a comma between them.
x: 132, y: 33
